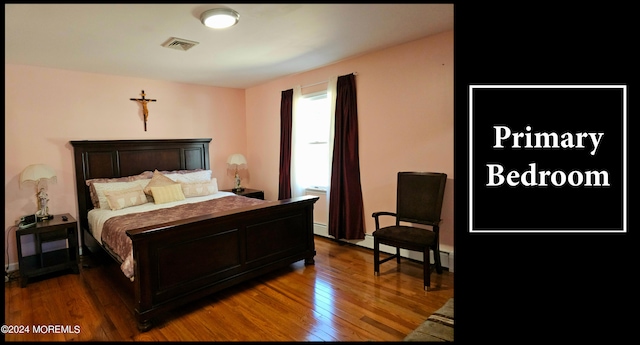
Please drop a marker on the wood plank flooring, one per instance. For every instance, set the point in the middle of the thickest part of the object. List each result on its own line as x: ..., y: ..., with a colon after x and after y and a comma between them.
x: 337, y: 299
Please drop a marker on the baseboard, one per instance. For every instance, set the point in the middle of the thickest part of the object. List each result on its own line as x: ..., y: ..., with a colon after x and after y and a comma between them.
x: 446, y: 258
x: 12, y: 267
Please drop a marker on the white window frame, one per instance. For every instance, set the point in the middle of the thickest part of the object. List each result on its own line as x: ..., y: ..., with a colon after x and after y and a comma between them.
x: 308, y: 140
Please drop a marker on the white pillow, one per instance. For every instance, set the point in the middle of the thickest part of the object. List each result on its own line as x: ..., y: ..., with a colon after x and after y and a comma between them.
x: 115, y: 186
x: 196, y: 176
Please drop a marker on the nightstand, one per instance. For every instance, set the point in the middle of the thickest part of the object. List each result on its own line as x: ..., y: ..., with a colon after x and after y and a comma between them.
x: 40, y: 263
x: 251, y: 193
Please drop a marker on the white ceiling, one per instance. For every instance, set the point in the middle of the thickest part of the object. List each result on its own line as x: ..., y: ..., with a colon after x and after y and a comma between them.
x: 269, y: 42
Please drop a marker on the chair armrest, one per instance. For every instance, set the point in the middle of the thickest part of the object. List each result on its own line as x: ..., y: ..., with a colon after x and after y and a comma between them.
x: 383, y: 213
x: 376, y: 216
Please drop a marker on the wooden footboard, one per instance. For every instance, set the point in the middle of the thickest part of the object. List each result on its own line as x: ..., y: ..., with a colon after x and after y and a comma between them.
x: 173, y: 268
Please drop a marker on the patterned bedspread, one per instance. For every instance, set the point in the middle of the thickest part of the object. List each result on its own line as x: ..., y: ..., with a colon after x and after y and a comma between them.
x: 115, y: 238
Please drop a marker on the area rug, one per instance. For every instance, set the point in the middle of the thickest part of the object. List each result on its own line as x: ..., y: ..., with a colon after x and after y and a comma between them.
x: 437, y: 327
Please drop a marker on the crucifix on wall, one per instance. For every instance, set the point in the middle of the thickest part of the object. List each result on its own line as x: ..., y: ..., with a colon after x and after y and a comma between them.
x: 145, y: 111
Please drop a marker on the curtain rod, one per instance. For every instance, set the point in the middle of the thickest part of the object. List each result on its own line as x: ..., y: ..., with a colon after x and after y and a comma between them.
x: 322, y: 82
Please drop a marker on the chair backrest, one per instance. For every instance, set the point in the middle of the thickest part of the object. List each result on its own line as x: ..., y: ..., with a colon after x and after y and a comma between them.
x: 419, y: 197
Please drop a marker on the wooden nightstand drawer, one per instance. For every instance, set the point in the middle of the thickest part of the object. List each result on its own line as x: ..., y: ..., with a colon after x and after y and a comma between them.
x: 55, y: 235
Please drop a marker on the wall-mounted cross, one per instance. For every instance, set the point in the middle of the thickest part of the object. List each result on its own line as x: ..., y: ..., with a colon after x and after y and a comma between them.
x: 145, y: 111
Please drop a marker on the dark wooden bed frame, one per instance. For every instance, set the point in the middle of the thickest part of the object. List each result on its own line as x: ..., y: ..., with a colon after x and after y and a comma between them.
x: 182, y: 261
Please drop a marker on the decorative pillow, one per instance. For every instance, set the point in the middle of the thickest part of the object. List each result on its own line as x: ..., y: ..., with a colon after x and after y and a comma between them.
x: 191, y: 189
x: 119, y: 199
x: 194, y: 176
x: 101, y: 188
x: 187, y: 171
x: 168, y: 193
x: 158, y: 180
x: 92, y: 191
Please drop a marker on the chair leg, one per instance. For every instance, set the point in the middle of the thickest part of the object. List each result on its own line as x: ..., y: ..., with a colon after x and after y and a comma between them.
x: 376, y: 257
x: 436, y: 258
x: 398, y: 255
x: 436, y: 251
x: 427, y: 270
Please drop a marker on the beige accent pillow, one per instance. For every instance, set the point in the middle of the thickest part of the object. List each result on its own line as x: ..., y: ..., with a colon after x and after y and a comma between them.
x: 168, y: 193
x: 158, y: 180
x: 119, y: 199
x: 101, y: 188
x: 191, y: 189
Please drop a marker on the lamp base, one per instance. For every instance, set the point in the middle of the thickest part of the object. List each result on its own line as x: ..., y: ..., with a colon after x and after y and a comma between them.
x: 239, y: 189
x: 43, y: 218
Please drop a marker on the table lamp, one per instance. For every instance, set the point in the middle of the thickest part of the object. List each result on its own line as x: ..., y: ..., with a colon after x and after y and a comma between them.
x: 237, y: 161
x: 38, y: 173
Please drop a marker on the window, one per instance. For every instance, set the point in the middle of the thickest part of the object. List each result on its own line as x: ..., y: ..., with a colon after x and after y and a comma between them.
x: 313, y: 125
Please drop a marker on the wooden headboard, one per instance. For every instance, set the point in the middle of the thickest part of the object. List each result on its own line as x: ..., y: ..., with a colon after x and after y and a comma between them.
x: 118, y: 158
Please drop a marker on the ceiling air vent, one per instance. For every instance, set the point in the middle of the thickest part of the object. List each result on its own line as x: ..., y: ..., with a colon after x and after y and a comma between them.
x: 179, y: 44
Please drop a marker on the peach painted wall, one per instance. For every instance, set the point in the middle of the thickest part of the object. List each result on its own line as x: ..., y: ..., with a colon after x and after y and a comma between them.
x: 405, y: 119
x: 46, y: 108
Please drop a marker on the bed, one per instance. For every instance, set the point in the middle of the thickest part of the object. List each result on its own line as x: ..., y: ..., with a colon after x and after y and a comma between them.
x: 180, y: 260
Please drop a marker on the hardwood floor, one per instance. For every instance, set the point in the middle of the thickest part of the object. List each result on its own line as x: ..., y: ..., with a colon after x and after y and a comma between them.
x: 337, y: 299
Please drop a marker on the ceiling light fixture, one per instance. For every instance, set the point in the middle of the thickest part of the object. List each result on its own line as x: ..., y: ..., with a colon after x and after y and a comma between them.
x: 219, y: 18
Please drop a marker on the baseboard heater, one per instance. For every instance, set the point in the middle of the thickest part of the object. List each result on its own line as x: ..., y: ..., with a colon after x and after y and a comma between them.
x: 446, y: 258
x: 321, y: 219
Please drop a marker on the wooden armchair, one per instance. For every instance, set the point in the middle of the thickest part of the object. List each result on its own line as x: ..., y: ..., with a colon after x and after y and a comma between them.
x: 418, y: 201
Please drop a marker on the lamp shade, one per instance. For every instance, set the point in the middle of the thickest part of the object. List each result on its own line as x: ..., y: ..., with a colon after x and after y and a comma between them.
x: 237, y: 160
x: 37, y: 172
x: 219, y: 18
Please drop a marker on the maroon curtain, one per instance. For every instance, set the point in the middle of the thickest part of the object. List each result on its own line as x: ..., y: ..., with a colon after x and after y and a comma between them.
x: 346, y: 210
x: 286, y: 128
